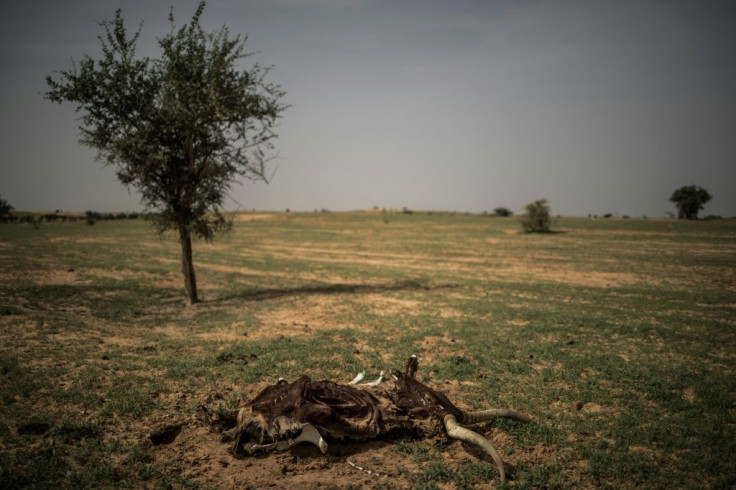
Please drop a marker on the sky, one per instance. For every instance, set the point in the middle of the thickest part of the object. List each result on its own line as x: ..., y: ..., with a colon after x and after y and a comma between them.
x: 597, y: 106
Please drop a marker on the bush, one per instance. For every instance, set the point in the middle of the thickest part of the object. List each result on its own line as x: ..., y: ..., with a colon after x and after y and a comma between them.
x: 502, y: 212
x: 536, y: 219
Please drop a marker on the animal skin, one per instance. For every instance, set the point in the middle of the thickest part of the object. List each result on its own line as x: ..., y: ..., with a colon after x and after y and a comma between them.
x: 337, y: 411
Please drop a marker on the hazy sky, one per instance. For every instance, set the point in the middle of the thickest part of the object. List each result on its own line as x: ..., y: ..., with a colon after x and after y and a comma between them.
x: 598, y: 106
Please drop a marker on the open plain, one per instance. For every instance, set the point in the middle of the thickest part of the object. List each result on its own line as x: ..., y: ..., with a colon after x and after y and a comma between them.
x: 617, y: 336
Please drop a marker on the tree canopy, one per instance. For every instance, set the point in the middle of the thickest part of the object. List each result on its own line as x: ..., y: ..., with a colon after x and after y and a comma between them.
x: 180, y: 128
x: 689, y: 200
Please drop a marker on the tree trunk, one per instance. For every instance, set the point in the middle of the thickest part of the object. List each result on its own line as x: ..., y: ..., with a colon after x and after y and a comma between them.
x: 187, y: 267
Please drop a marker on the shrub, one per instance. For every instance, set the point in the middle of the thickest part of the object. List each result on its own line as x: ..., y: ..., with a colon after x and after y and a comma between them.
x: 502, y: 212
x: 536, y: 219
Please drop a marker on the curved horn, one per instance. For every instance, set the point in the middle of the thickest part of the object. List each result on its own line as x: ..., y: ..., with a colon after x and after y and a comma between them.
x: 456, y: 431
x: 485, y: 415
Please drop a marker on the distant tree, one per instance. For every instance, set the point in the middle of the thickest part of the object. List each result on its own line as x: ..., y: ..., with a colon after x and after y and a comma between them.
x: 689, y: 200
x: 536, y: 218
x: 502, y: 212
x: 181, y: 128
x: 5, y: 207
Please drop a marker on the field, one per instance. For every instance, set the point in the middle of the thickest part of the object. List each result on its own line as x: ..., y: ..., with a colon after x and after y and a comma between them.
x: 617, y: 336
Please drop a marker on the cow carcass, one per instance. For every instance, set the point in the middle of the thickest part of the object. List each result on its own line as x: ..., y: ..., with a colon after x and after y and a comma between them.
x: 286, y: 414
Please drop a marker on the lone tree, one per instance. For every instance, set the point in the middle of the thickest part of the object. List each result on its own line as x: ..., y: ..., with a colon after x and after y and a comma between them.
x: 181, y: 128
x: 689, y: 200
x: 536, y: 218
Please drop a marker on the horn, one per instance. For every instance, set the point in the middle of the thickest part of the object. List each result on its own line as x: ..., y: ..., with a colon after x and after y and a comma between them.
x: 456, y: 431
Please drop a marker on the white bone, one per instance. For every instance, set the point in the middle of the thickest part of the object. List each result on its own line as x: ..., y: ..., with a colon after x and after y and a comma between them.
x: 360, y: 468
x: 376, y: 382
x: 358, y: 378
x: 268, y: 447
x: 310, y: 434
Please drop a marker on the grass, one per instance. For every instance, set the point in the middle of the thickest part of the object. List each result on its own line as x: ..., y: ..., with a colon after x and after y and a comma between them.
x: 617, y: 336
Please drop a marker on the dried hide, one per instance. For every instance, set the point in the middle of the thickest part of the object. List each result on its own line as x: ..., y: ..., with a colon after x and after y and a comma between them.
x: 281, y: 414
x: 339, y: 411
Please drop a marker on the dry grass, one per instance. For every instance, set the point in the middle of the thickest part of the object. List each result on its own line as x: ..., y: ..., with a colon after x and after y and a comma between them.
x: 616, y: 336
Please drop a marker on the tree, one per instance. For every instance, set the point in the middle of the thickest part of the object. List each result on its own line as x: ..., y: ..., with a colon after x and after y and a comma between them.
x: 5, y: 207
x: 181, y: 128
x: 689, y: 200
x: 536, y: 218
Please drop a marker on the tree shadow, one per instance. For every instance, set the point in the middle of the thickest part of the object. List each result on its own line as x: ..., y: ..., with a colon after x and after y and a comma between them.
x: 341, y: 288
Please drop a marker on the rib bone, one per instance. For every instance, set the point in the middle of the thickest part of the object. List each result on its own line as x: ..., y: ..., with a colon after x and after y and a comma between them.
x: 357, y: 379
x: 375, y: 382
